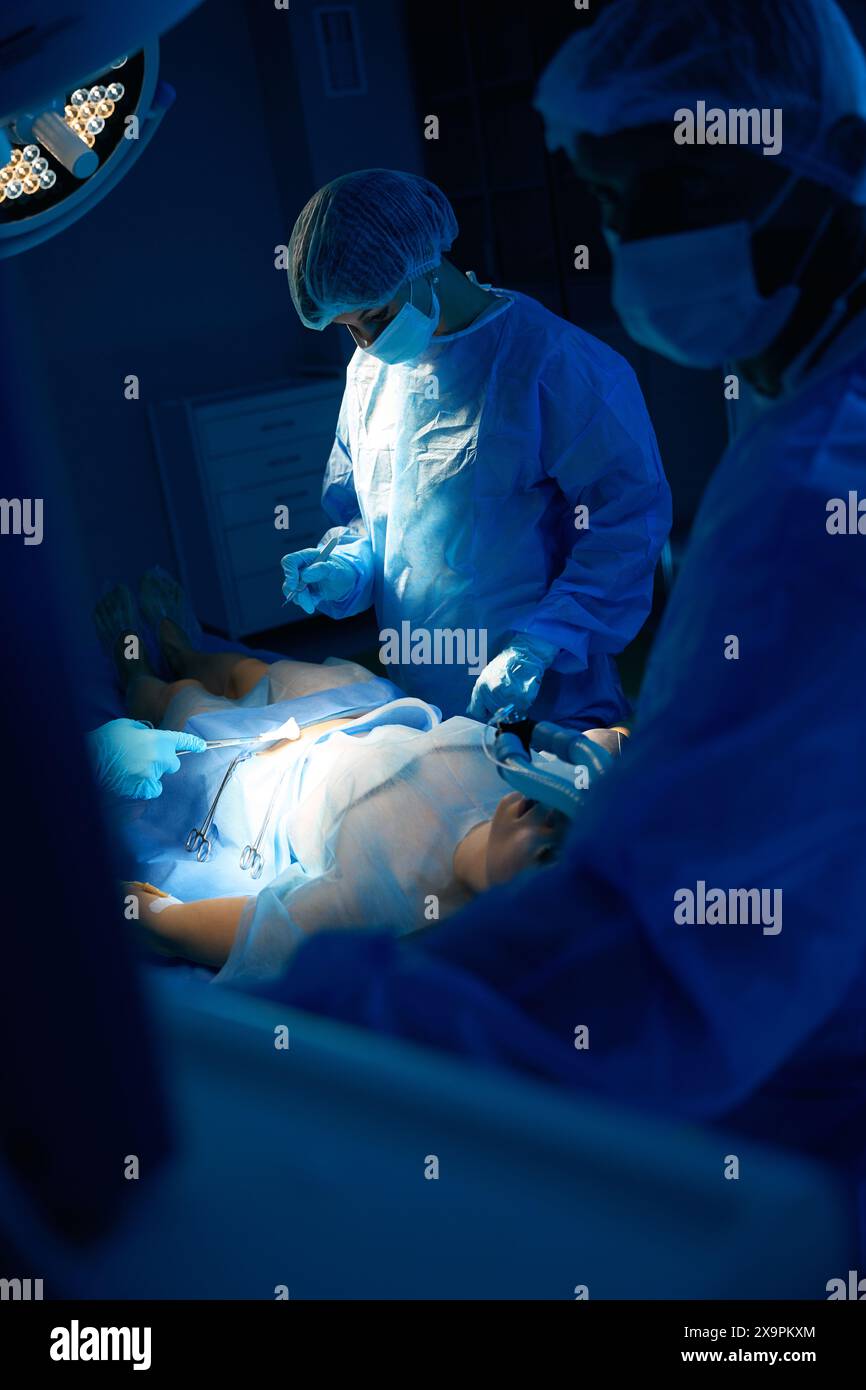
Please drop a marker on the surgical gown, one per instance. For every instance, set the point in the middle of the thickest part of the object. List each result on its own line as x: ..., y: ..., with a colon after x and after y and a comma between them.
x: 456, y: 482
x: 746, y: 771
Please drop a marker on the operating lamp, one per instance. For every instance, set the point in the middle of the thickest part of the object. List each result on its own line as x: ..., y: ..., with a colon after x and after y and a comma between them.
x: 80, y: 100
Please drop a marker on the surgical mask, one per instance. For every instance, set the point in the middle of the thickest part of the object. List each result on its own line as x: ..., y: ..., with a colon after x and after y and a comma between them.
x: 693, y: 296
x: 408, y: 335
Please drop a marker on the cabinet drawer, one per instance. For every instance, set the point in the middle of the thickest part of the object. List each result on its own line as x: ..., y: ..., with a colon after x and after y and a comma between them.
x: 244, y: 505
x: 261, y: 604
x: 252, y: 548
x: 237, y: 430
x: 301, y: 463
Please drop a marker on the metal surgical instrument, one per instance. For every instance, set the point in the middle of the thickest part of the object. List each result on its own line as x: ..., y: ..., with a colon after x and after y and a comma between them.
x: 197, y: 841
x: 322, y: 555
x: 233, y: 743
x: 252, y: 858
x: 289, y: 730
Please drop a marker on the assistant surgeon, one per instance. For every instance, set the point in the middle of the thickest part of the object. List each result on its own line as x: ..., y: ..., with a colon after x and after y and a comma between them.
x: 495, y: 472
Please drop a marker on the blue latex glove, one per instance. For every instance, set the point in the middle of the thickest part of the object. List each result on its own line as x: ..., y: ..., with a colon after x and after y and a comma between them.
x: 512, y: 678
x: 130, y: 759
x: 308, y: 583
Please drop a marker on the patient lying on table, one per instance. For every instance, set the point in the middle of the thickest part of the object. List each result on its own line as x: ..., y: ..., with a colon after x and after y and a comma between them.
x: 383, y: 814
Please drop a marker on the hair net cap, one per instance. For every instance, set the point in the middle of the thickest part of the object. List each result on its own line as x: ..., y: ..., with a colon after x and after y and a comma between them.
x: 363, y: 236
x: 637, y: 65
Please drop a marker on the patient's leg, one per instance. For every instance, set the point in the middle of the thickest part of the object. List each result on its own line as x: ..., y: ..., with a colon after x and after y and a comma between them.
x: 228, y: 674
x: 117, y: 625
x: 147, y: 697
x: 231, y: 674
x: 234, y: 674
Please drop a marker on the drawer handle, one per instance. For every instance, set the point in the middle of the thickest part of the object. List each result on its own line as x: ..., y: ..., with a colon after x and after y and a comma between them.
x: 277, y: 425
x: 278, y: 463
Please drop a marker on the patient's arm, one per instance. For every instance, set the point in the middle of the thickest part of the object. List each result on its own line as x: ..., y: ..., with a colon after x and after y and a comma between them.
x: 199, y: 931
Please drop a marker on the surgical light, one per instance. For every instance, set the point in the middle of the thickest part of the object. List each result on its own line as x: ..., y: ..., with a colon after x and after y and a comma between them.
x: 61, y: 156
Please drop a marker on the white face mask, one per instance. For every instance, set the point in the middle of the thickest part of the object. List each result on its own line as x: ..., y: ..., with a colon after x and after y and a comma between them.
x: 409, y: 333
x: 693, y: 296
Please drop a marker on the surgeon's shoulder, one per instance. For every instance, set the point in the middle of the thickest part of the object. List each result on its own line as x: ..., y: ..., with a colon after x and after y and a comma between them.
x: 562, y: 348
x: 812, y: 444
x: 363, y: 369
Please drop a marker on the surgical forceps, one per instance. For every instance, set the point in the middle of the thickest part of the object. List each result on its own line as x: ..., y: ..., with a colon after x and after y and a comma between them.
x: 257, y: 741
x: 251, y: 858
x: 197, y: 841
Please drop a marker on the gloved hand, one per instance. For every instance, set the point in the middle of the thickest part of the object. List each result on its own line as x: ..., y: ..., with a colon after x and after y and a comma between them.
x: 308, y: 583
x: 130, y: 758
x: 512, y: 678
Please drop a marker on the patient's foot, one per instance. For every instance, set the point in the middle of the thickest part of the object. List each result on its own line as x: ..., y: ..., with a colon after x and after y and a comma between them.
x: 118, y: 627
x: 162, y: 597
x: 175, y: 646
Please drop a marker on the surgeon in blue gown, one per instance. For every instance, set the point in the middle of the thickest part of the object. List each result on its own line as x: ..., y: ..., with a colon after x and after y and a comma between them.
x: 746, y: 768
x: 495, y: 478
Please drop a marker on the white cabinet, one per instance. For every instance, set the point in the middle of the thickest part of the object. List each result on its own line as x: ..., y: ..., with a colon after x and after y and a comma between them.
x: 226, y: 464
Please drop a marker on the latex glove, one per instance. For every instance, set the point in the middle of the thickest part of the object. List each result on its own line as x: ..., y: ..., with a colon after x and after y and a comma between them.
x: 130, y: 759
x: 512, y: 678
x: 308, y: 583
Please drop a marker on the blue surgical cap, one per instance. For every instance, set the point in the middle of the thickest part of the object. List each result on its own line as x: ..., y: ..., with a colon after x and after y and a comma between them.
x: 362, y: 237
x: 638, y: 64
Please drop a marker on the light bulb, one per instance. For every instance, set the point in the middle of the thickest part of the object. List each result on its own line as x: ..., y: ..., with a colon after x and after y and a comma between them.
x: 30, y: 184
x: 6, y: 173
x: 2, y: 193
x: 15, y: 156
x: 105, y: 108
x: 96, y: 93
x: 77, y: 126
x: 86, y: 110
x: 39, y: 165
x: 115, y: 90
x: 13, y: 188
x: 78, y: 96
x: 31, y: 152
x: 48, y: 179
x: 95, y: 125
x: 89, y: 140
